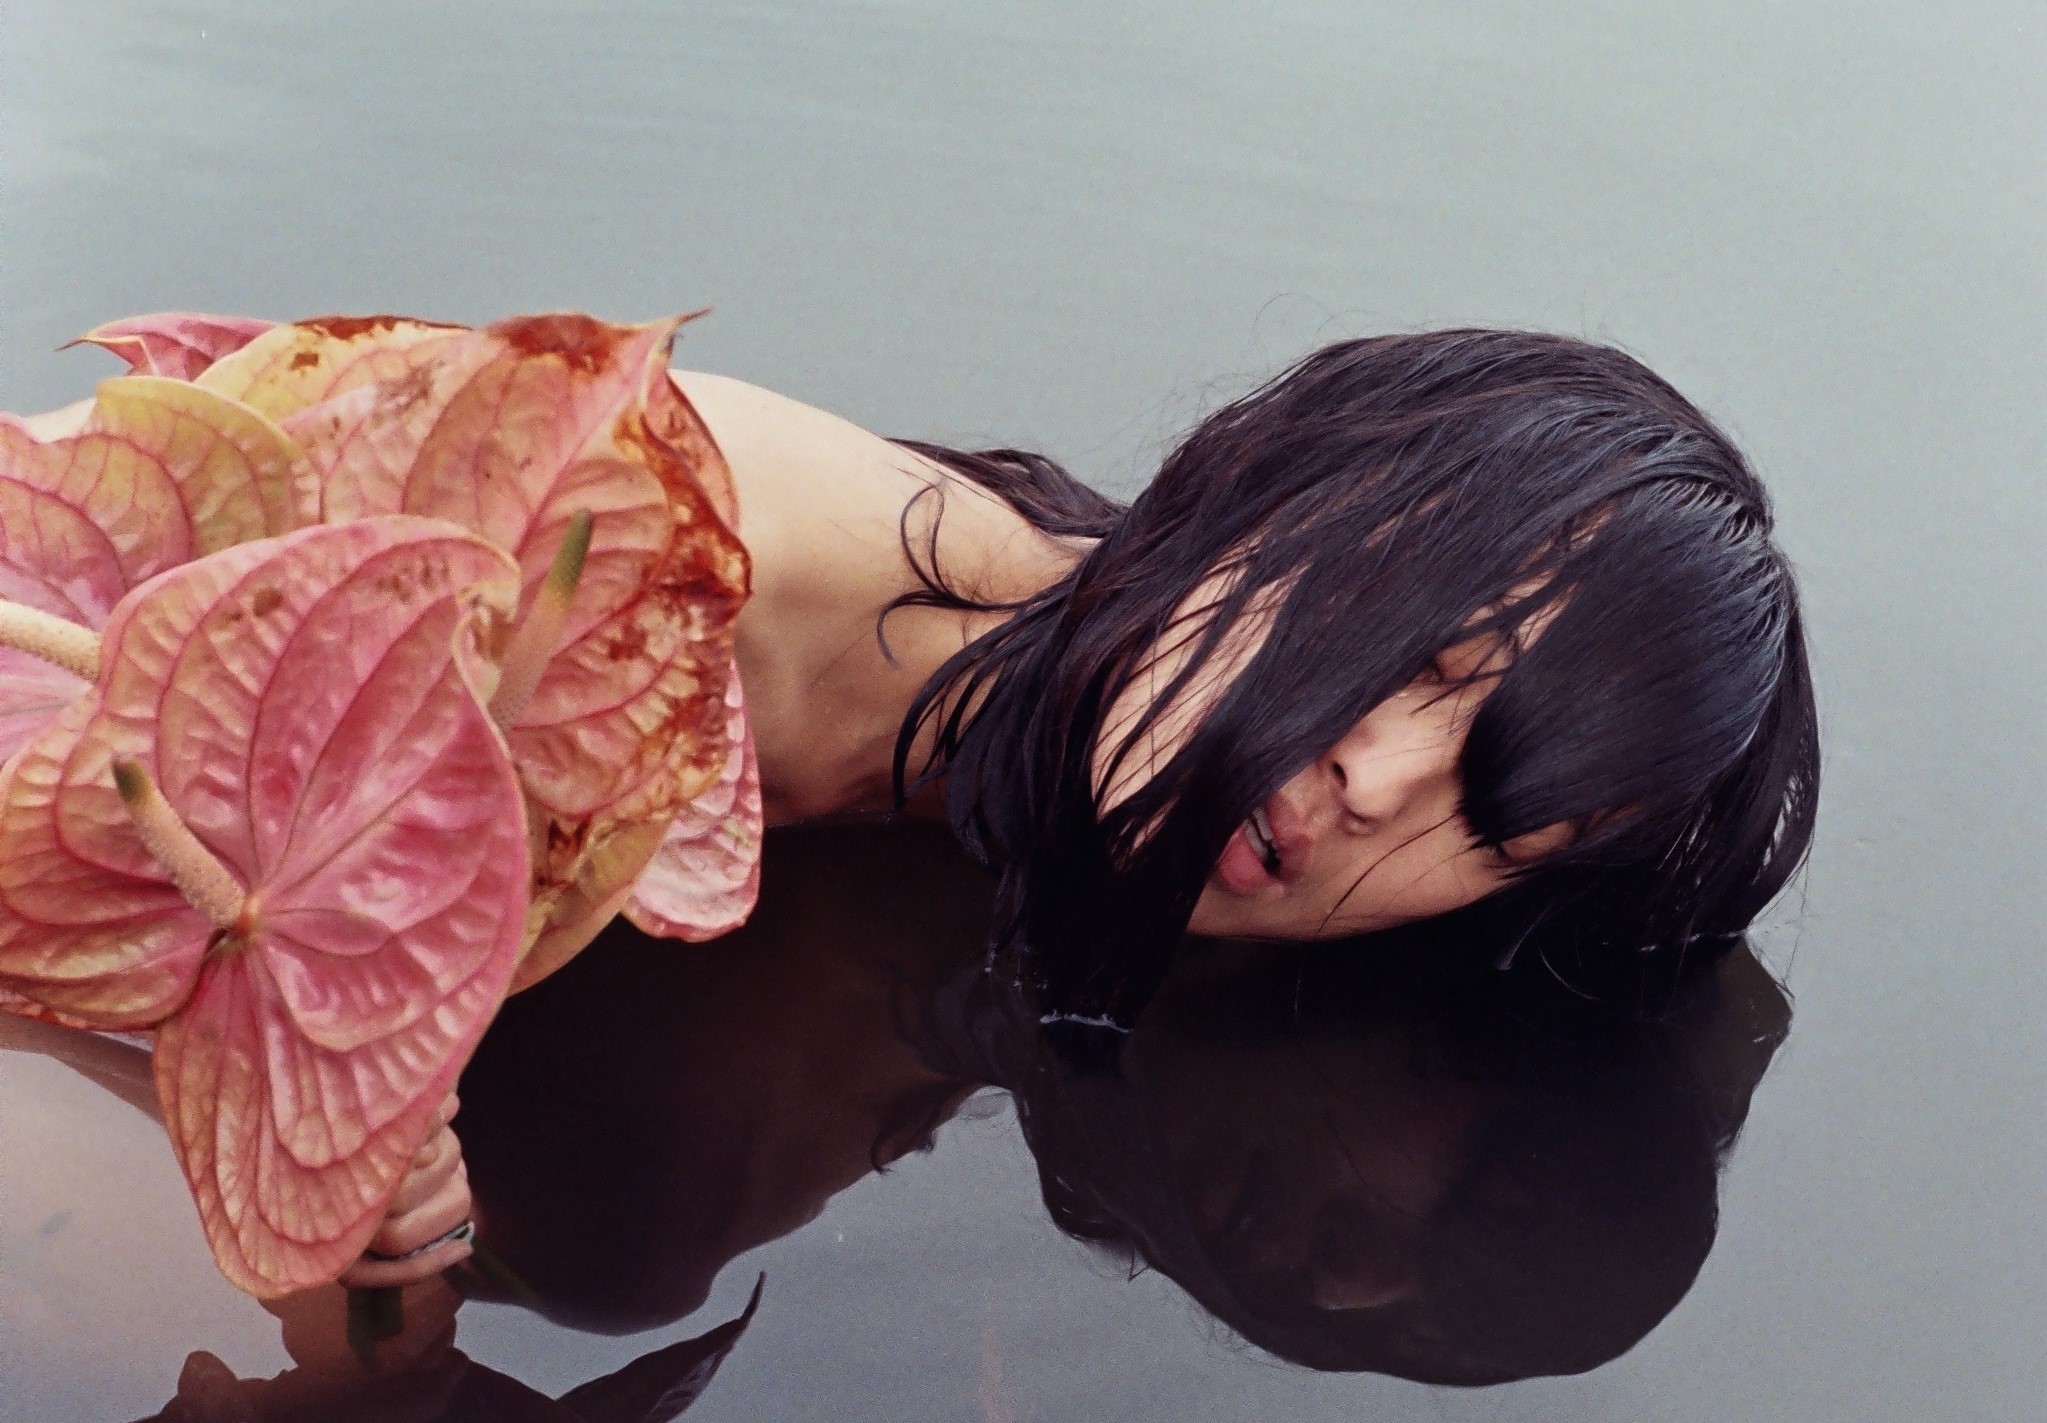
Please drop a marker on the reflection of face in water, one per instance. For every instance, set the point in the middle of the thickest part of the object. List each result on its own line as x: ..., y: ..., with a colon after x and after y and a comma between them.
x: 1358, y: 1165
x: 1310, y: 1171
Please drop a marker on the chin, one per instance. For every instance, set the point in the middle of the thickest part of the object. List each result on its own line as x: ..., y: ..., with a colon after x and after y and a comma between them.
x: 1229, y: 921
x: 1213, y: 920
x: 1237, y: 919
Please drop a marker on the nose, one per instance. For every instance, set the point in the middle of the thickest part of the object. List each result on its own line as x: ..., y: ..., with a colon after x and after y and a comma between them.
x: 1400, y: 759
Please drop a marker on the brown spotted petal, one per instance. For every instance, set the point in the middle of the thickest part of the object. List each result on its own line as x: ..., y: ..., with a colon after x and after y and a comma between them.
x: 291, y: 367
x: 510, y: 431
x: 311, y: 708
x: 178, y: 344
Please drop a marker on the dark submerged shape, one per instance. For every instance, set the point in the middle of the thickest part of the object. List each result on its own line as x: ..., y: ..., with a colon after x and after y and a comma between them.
x: 1372, y: 1160
x: 1358, y: 1161
x: 1361, y: 1163
x: 426, y: 1379
x: 1389, y: 497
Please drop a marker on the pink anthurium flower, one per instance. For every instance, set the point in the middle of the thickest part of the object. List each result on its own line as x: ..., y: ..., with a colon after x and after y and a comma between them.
x: 515, y: 430
x: 160, y: 473
x: 178, y: 344
x: 281, y: 828
x: 704, y: 879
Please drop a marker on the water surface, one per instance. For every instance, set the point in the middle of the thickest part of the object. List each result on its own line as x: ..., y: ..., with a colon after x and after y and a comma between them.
x: 1077, y: 226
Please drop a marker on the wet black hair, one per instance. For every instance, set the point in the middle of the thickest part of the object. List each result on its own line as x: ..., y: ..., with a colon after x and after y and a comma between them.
x: 1382, y: 499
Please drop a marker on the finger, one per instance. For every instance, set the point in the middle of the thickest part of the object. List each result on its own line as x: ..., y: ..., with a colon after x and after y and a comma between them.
x: 376, y: 1274
x: 446, y: 1207
x: 443, y: 1115
x: 437, y: 1160
x: 435, y: 1148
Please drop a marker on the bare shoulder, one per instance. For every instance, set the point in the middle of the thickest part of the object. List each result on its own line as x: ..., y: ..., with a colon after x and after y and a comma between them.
x: 795, y: 459
x: 817, y: 491
x: 822, y: 508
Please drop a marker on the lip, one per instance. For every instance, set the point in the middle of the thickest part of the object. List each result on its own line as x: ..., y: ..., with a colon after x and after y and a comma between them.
x: 1242, y: 869
x: 1289, y: 837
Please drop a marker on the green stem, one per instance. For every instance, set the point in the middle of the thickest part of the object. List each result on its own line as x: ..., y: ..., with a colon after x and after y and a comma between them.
x: 374, y: 1315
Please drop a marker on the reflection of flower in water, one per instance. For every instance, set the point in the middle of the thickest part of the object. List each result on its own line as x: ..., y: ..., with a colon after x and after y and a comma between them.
x: 439, y: 1383
x: 996, y: 1389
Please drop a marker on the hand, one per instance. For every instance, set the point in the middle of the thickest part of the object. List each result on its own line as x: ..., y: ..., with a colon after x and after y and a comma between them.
x: 432, y: 1200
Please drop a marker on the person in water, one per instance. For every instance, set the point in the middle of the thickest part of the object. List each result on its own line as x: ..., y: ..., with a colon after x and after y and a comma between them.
x: 1463, y: 621
x: 1426, y: 620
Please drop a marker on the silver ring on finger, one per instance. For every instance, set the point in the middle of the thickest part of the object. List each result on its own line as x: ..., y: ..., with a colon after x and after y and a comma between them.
x: 464, y: 1233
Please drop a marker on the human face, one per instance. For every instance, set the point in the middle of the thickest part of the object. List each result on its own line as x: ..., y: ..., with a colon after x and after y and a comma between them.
x: 1369, y: 835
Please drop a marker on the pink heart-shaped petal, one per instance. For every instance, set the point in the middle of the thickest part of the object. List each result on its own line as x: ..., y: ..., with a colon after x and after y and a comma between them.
x: 291, y: 367
x: 311, y: 708
x: 511, y: 430
x: 704, y: 879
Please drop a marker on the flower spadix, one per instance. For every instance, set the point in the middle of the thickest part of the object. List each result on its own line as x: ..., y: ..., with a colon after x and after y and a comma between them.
x: 512, y: 430
x: 161, y: 473
x: 281, y: 828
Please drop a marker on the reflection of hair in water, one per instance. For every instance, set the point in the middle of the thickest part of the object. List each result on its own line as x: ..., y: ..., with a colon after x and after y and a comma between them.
x: 1565, y: 1208
x: 1384, y: 499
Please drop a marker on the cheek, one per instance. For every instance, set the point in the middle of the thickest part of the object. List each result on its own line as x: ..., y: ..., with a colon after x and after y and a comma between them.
x: 1119, y: 771
x: 1433, y: 874
x: 1368, y: 890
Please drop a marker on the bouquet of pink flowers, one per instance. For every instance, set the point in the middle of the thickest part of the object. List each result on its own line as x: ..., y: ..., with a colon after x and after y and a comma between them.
x: 353, y: 674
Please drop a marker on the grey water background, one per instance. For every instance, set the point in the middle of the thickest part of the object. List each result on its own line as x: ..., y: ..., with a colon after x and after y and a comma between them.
x: 1076, y: 226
